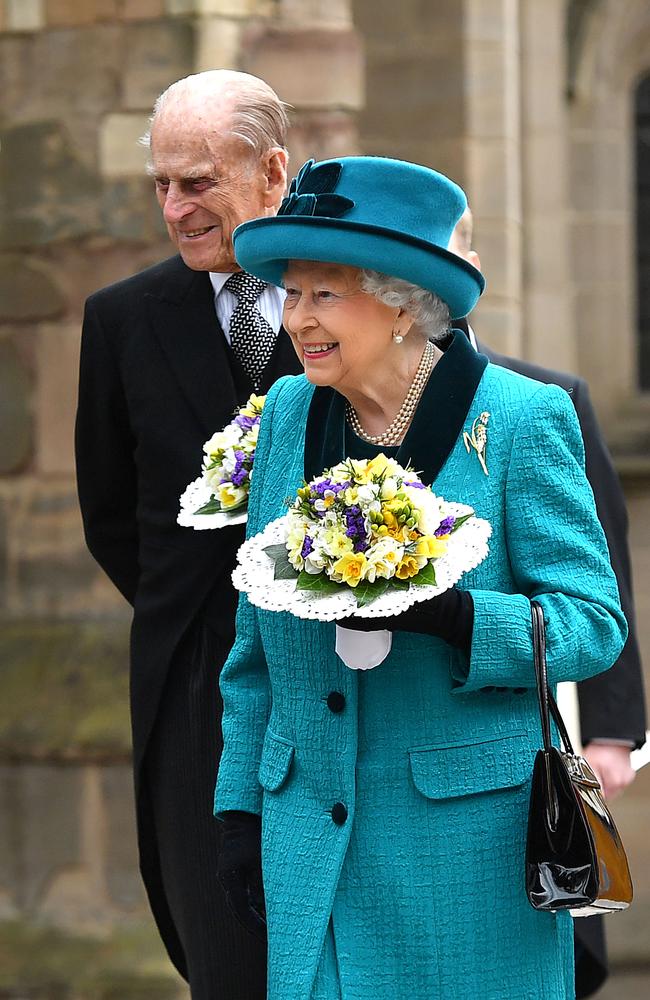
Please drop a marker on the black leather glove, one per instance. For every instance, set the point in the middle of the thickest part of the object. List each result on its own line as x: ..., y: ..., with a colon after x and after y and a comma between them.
x: 239, y: 869
x: 450, y: 616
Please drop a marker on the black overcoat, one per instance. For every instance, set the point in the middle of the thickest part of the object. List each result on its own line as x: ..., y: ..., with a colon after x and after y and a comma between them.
x: 156, y: 380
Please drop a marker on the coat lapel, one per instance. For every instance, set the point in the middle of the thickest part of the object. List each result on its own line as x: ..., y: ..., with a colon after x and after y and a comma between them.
x: 185, y: 322
x: 439, y: 420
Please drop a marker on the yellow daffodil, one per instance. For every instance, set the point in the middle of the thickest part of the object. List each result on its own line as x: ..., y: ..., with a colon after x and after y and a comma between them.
x: 409, y: 566
x: 229, y: 495
x: 350, y: 568
x: 381, y: 465
x: 431, y: 547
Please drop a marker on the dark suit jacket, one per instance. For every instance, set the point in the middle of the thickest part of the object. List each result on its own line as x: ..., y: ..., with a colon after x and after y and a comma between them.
x: 156, y: 380
x: 612, y: 705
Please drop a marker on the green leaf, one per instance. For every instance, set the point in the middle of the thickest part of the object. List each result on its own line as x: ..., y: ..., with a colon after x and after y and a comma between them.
x: 365, y: 592
x: 461, y: 520
x: 276, y: 551
x: 318, y: 585
x: 211, y: 507
x: 426, y: 576
x: 396, y: 584
x: 284, y: 570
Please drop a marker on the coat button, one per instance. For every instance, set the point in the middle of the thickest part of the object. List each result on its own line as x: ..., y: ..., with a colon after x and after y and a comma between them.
x: 339, y: 813
x: 336, y: 701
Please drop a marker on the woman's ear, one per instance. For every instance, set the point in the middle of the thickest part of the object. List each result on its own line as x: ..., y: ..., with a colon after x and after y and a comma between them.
x: 402, y: 323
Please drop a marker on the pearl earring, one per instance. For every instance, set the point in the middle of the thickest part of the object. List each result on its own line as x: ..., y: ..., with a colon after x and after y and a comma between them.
x: 398, y: 338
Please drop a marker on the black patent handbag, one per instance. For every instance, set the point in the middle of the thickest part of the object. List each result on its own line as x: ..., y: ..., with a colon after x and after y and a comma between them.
x: 575, y: 859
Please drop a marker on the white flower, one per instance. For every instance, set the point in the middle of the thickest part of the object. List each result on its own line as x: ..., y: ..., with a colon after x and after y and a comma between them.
x: 226, y: 438
x: 389, y: 488
x: 427, y: 506
x: 250, y: 441
x: 213, y: 477
x: 368, y: 497
x: 295, y: 539
x: 229, y: 461
x: 315, y: 562
x: 383, y: 557
x: 335, y: 541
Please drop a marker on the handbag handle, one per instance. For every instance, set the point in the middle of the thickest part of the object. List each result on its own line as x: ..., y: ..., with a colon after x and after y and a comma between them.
x: 547, y: 704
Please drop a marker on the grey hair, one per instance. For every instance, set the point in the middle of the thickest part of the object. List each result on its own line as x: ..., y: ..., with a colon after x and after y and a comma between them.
x: 428, y: 310
x: 258, y: 118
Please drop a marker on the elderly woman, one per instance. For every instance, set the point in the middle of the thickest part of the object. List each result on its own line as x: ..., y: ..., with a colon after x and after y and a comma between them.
x: 393, y: 801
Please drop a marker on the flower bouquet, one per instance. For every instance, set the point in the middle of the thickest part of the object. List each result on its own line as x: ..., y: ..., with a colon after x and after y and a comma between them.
x: 220, y: 495
x: 366, y: 538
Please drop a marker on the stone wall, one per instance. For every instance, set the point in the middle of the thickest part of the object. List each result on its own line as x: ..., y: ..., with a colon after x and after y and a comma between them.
x: 78, y: 79
x: 76, y: 212
x: 472, y: 87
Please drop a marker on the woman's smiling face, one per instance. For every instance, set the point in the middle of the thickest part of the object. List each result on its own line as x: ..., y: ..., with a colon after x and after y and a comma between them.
x: 339, y: 332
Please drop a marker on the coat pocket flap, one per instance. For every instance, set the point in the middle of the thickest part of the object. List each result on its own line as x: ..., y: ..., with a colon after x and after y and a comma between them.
x: 445, y: 772
x: 277, y: 754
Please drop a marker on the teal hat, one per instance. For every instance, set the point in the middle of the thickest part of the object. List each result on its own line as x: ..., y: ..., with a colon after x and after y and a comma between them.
x: 368, y: 212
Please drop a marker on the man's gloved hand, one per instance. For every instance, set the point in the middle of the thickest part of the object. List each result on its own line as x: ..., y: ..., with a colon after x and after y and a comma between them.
x: 239, y: 869
x: 450, y: 616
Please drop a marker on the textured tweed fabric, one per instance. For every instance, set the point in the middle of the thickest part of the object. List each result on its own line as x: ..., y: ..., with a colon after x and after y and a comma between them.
x: 394, y: 828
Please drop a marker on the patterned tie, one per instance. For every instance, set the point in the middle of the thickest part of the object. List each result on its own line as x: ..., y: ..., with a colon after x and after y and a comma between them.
x: 252, y: 338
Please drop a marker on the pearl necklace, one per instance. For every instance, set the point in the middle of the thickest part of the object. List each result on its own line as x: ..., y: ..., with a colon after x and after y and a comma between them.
x: 395, y: 431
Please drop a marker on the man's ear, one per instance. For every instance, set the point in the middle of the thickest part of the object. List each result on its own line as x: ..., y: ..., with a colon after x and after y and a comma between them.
x: 275, y: 173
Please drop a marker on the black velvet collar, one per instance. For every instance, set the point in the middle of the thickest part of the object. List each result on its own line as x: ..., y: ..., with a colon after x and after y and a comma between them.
x: 437, y: 423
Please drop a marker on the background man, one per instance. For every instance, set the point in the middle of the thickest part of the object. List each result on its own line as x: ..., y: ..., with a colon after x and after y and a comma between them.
x: 611, y: 705
x: 162, y: 368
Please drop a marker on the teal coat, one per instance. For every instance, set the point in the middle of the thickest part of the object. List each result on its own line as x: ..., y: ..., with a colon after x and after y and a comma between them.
x: 419, y: 892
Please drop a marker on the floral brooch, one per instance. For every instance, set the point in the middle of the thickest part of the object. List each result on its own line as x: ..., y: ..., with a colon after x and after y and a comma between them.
x: 477, y: 439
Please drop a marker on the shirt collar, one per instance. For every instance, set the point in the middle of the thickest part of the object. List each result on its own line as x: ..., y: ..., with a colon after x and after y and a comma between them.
x: 219, y: 279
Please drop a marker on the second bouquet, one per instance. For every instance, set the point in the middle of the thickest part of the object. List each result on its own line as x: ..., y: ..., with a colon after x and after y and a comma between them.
x: 367, y: 537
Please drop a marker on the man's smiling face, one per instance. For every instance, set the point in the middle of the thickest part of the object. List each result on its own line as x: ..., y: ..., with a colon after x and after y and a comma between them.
x: 207, y: 183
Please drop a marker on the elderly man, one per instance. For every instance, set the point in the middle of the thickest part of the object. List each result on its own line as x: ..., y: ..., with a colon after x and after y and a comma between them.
x: 167, y: 355
x: 611, y: 705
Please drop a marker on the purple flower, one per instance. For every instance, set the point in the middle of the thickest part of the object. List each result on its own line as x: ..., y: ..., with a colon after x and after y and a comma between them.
x: 307, y: 547
x: 245, y: 422
x: 326, y: 485
x: 238, y: 478
x: 416, y: 485
x: 239, y: 473
x: 356, y: 528
x: 445, y: 526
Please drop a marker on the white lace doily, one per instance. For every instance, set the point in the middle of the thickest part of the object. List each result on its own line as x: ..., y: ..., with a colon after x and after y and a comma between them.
x: 466, y: 548
x: 197, y: 495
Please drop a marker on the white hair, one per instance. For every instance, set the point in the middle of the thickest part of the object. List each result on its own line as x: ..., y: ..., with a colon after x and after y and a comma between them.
x: 258, y: 117
x: 428, y: 310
